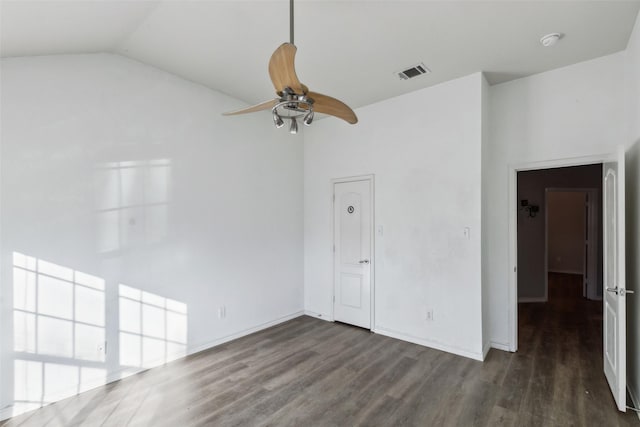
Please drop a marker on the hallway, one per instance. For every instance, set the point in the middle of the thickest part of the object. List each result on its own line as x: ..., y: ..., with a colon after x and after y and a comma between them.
x: 560, y: 344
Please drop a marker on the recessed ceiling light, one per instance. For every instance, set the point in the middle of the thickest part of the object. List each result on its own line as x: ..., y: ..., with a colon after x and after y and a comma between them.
x: 550, y: 39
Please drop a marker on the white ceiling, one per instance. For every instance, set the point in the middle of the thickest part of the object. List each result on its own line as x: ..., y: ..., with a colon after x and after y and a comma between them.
x: 346, y: 49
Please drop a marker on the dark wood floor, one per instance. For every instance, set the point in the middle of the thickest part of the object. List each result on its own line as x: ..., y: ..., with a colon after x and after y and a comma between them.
x: 310, y: 372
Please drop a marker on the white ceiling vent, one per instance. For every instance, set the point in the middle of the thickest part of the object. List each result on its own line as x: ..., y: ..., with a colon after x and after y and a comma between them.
x: 413, y: 71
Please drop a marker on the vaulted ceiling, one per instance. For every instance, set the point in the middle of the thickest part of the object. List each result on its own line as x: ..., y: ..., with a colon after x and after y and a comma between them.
x: 349, y: 49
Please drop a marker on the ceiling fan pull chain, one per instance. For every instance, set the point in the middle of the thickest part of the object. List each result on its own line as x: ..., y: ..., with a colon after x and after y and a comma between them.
x: 291, y: 22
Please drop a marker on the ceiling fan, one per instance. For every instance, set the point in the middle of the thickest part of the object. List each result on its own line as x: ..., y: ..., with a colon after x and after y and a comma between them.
x: 294, y: 99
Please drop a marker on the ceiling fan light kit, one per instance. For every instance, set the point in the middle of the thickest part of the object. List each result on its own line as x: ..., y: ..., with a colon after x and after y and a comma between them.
x: 294, y: 99
x: 292, y: 107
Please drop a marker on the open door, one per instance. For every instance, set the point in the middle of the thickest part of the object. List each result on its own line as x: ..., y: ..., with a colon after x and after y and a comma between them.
x: 614, y: 310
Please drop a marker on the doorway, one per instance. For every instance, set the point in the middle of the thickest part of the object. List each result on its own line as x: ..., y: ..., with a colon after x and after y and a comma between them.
x: 551, y: 221
x: 353, y: 251
x: 573, y: 243
x: 609, y: 323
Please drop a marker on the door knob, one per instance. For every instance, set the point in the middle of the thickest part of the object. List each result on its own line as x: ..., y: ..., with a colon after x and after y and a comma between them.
x: 620, y: 291
x: 364, y: 261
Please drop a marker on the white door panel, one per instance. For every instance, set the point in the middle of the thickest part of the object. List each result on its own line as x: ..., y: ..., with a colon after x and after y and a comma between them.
x: 352, y: 258
x: 614, y: 310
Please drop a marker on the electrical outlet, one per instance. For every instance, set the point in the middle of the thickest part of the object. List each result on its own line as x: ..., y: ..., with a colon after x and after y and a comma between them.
x: 222, y: 312
x: 429, y: 316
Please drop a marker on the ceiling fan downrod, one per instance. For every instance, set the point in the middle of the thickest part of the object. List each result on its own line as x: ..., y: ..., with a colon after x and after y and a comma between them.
x: 291, y: 105
x: 291, y: 22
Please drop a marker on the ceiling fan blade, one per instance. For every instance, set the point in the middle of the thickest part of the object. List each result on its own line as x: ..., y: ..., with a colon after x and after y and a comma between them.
x: 328, y: 105
x: 259, y: 107
x: 282, y: 70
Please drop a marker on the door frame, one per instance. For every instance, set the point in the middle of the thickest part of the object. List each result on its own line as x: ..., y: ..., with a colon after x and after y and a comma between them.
x: 372, y: 275
x: 512, y: 267
x: 592, y: 225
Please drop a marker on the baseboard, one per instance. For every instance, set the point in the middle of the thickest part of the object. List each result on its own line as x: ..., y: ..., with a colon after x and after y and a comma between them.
x: 634, y: 398
x: 532, y: 299
x: 318, y: 315
x: 7, y: 412
x: 500, y: 346
x: 429, y: 343
x: 207, y: 345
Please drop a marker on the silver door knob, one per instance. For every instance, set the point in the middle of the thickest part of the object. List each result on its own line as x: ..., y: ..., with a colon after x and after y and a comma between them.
x: 620, y: 291
x: 364, y: 261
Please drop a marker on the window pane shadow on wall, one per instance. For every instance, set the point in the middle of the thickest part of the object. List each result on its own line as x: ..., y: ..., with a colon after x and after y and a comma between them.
x: 59, y: 332
x: 132, y: 201
x: 153, y: 329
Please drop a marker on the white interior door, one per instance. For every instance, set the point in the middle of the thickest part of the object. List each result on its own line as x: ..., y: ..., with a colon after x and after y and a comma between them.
x: 352, y: 252
x: 614, y: 328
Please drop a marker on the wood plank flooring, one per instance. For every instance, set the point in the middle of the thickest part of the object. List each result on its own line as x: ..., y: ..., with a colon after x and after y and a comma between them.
x: 310, y: 372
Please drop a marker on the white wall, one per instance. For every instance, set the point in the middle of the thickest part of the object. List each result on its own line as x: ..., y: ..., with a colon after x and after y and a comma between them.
x: 632, y: 80
x: 129, y: 174
x: 574, y: 111
x: 424, y: 149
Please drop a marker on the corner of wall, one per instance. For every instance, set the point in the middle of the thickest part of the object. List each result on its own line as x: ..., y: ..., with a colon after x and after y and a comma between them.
x: 486, y: 333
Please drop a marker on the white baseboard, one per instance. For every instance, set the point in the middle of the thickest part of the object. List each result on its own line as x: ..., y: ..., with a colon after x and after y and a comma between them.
x: 207, y: 345
x: 318, y: 315
x: 429, y: 343
x: 532, y: 299
x: 634, y: 398
x: 8, y: 411
x: 500, y: 346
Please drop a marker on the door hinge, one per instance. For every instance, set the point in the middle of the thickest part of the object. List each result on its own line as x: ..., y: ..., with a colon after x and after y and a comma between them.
x: 515, y: 269
x: 334, y: 197
x: 334, y: 298
x: 334, y: 248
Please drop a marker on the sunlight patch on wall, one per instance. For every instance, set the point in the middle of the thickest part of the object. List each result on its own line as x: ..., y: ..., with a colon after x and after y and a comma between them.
x: 153, y: 329
x: 59, y: 332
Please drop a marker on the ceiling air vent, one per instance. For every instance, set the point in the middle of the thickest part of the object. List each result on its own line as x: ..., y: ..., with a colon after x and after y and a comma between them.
x: 414, y: 71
